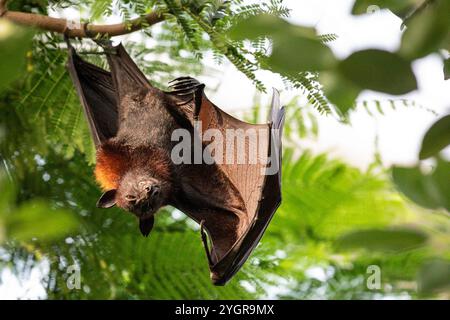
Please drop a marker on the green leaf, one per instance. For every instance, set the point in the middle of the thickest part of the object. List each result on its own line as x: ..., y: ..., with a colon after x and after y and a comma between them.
x: 7, y: 194
x: 392, y: 240
x: 441, y: 180
x: 379, y: 71
x: 14, y: 43
x: 415, y: 186
x: 427, y: 190
x: 436, y: 138
x: 262, y: 25
x: 295, y: 48
x: 339, y: 91
x: 447, y: 69
x: 36, y: 219
x: 292, y: 55
x: 434, y: 276
x: 426, y: 32
x: 398, y: 7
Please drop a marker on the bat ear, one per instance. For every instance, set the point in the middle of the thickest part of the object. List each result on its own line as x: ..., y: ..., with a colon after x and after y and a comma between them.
x: 107, y: 200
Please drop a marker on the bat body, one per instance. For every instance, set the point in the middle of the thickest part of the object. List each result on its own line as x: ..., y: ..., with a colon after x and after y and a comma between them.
x: 132, y: 124
x: 134, y: 167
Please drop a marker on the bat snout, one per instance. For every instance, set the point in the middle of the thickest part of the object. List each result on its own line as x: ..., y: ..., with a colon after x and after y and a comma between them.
x: 142, y: 209
x: 152, y: 191
x: 149, y: 189
x: 147, y: 203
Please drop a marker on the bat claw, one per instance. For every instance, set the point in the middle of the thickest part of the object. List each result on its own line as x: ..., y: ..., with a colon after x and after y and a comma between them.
x: 180, y: 78
x: 205, y: 242
x: 184, y: 85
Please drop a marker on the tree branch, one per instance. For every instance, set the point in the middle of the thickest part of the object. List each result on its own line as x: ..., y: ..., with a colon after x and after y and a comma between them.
x: 62, y: 26
x: 2, y: 7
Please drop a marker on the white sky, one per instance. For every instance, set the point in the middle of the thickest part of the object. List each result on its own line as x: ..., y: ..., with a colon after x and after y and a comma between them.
x: 399, y: 131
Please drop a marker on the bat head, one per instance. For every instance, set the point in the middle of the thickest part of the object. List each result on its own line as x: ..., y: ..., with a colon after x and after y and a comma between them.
x: 140, y: 193
x: 138, y: 180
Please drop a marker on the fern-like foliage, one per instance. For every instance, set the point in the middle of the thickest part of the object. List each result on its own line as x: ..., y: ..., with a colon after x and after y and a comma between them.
x: 381, y: 106
x: 310, y: 86
x: 323, y: 198
x: 214, y: 18
x: 328, y: 37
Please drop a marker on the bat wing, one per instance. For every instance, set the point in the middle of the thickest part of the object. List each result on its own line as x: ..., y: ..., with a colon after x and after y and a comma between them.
x: 256, y: 183
x: 126, y: 75
x: 101, y: 91
x: 97, y: 95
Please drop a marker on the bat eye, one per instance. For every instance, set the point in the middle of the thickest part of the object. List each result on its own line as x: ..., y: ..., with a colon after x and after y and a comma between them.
x: 130, y: 198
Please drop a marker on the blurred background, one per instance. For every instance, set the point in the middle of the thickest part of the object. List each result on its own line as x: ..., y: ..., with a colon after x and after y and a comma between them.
x: 365, y: 168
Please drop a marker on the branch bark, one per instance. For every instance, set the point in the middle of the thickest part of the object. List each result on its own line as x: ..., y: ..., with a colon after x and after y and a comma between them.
x: 2, y: 7
x: 61, y: 25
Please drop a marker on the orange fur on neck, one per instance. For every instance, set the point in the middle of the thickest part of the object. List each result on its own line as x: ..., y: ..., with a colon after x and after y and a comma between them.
x: 110, y: 167
x: 113, y: 161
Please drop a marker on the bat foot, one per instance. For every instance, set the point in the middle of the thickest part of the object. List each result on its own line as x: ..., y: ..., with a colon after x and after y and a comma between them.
x: 184, y: 85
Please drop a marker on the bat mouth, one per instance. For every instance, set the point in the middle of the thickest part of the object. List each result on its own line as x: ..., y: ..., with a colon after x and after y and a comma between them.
x: 146, y: 211
x: 146, y: 208
x: 146, y: 215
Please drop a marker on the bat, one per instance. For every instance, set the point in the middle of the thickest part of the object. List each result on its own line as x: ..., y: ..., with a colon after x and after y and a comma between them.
x: 133, y: 125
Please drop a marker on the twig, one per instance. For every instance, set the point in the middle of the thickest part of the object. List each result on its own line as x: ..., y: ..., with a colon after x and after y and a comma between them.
x: 416, y: 11
x: 2, y: 7
x: 62, y: 26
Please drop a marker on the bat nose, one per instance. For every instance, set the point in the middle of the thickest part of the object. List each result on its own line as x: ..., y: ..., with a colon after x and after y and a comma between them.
x: 150, y: 190
x: 155, y: 191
